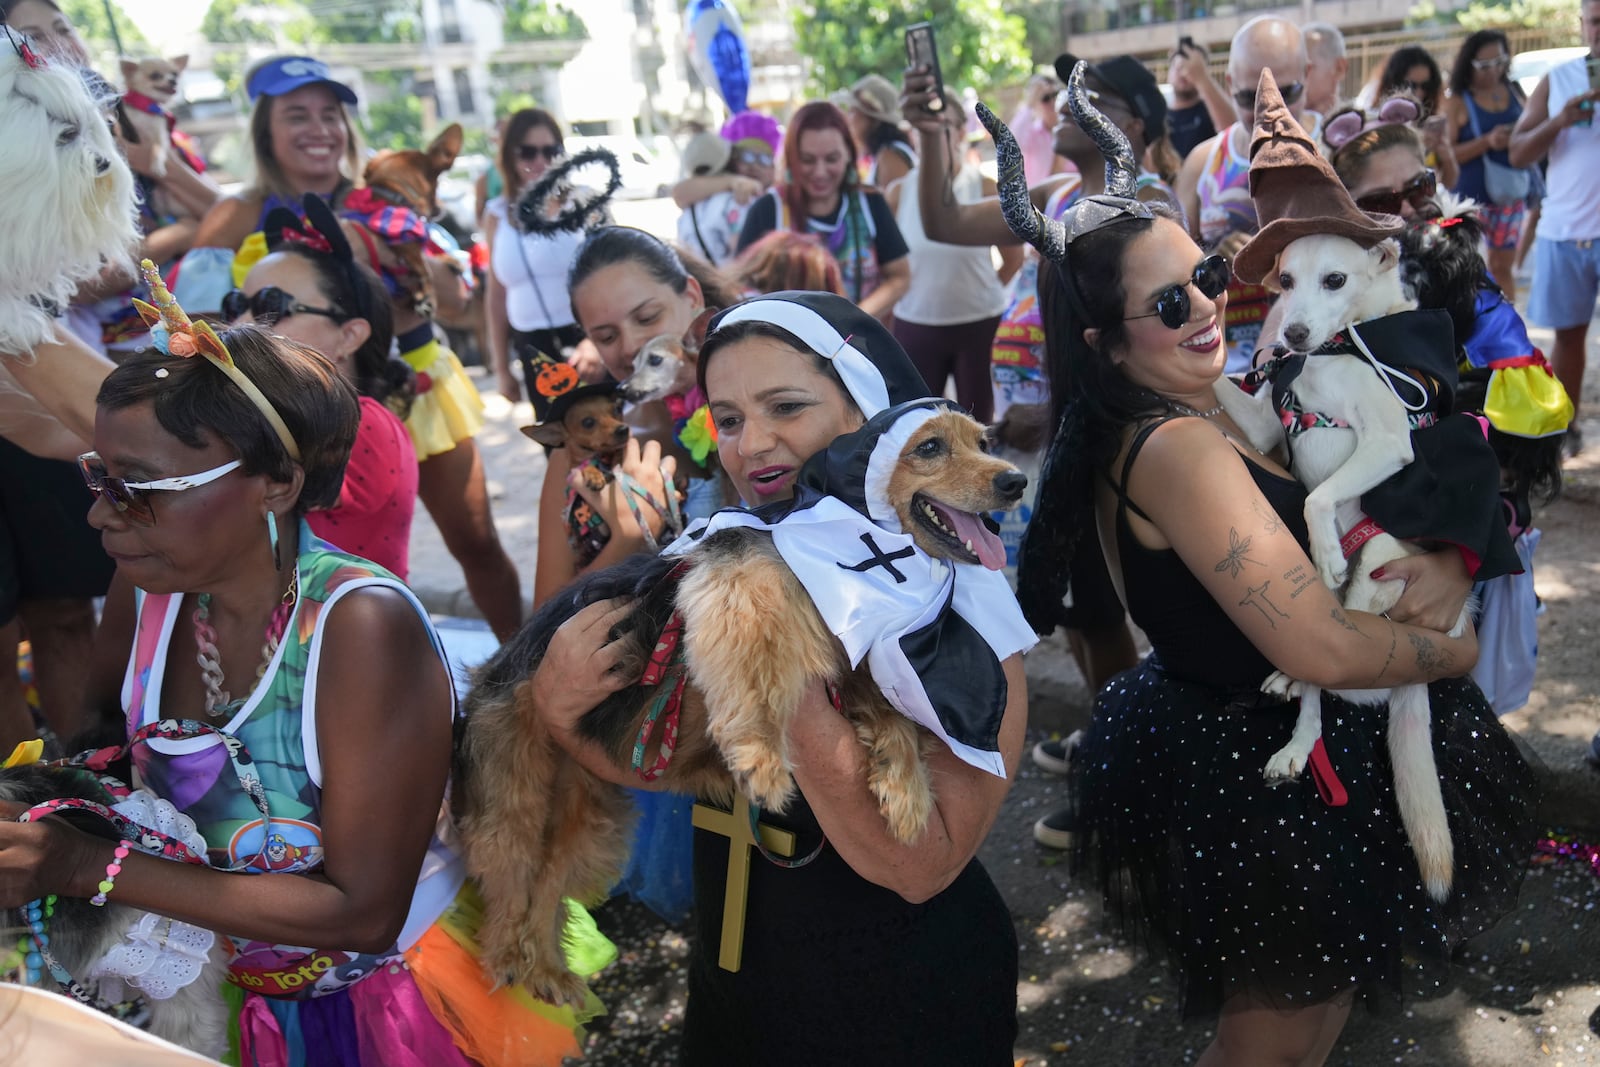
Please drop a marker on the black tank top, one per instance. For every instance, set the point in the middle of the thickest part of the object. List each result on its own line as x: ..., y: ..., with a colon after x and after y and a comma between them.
x: 1192, y: 636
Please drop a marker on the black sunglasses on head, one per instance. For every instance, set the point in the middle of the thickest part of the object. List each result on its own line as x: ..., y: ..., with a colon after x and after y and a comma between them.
x: 1211, y: 277
x: 530, y: 152
x: 271, y: 305
x: 1418, y: 192
x: 1246, y: 98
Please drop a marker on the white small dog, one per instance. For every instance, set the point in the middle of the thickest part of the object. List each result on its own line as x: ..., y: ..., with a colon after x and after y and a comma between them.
x: 1330, y: 283
x: 71, y: 212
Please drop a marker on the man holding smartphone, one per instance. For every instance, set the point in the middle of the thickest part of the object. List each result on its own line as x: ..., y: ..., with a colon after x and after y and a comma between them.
x: 1559, y: 120
x: 1200, y: 106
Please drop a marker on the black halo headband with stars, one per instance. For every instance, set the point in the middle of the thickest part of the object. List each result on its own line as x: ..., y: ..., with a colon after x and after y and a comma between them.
x: 584, y: 211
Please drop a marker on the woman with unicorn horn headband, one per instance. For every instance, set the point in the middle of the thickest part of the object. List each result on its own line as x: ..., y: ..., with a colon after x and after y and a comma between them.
x: 209, y: 449
x: 1279, y: 907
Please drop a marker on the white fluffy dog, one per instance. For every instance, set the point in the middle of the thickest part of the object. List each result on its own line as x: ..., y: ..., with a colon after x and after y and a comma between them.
x: 1329, y: 283
x: 70, y: 205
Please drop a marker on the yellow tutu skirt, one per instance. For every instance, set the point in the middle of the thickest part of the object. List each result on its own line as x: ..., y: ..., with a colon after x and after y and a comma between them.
x: 448, y: 409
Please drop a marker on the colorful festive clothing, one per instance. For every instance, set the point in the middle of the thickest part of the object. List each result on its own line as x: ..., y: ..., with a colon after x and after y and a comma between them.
x: 373, y: 517
x: 862, y: 235
x: 1226, y: 208
x: 261, y: 815
x: 447, y: 409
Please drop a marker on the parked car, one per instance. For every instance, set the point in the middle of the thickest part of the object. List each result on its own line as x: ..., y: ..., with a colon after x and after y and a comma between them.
x: 1528, y: 67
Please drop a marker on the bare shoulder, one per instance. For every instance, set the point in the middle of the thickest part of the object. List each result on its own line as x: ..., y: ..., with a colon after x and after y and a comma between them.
x: 229, y: 222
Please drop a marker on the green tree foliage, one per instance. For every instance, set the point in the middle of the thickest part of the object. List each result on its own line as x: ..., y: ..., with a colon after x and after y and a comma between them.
x: 542, y: 20
x: 1558, y: 16
x: 89, y: 17
x: 980, y: 43
x: 291, y: 23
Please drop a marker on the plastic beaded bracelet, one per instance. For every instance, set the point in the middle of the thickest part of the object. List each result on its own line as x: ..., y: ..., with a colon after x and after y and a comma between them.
x: 113, y: 869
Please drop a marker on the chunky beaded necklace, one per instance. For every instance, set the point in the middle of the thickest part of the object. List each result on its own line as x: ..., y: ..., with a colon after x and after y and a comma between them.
x: 219, y: 702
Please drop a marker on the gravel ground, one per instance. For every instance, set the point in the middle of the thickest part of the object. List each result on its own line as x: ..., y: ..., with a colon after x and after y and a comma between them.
x: 1526, y: 992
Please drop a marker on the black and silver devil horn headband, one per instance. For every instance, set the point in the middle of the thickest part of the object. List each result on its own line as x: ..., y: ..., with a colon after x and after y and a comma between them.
x: 1026, y: 221
x: 1122, y: 167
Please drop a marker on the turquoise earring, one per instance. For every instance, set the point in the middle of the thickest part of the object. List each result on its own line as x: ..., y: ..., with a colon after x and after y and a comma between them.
x: 272, y: 538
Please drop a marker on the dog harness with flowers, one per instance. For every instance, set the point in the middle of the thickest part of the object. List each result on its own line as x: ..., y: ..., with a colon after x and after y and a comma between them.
x: 263, y: 818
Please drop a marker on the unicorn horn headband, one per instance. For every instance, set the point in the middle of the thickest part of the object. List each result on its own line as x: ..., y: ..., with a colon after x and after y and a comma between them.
x: 174, y: 334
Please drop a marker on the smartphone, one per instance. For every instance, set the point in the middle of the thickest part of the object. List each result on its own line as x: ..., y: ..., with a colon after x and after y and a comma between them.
x: 921, y: 52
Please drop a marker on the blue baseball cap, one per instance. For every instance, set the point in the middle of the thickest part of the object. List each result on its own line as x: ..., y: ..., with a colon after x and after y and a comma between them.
x: 285, y: 74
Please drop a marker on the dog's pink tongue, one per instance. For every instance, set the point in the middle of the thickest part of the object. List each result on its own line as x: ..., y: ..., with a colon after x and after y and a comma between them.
x: 991, y: 551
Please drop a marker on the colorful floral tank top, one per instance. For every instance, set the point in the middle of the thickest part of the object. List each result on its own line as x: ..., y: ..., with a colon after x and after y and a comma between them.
x: 1226, y: 207
x: 277, y: 726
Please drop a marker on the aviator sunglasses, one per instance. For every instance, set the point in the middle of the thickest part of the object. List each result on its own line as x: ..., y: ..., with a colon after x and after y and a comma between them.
x: 530, y: 152
x: 129, y: 498
x: 271, y: 305
x: 1211, y: 277
x: 1418, y: 192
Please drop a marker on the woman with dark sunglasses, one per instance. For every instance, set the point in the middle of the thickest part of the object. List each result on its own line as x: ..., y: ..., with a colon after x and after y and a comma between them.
x: 310, y: 288
x: 1483, y: 108
x: 1278, y: 910
x: 530, y: 313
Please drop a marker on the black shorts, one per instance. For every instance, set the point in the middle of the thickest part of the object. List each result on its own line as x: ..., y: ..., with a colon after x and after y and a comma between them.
x: 1095, y: 605
x: 47, y: 547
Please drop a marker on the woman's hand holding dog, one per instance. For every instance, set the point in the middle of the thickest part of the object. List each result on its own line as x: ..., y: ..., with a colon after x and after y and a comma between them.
x: 647, y: 469
x: 48, y: 856
x: 1436, y: 588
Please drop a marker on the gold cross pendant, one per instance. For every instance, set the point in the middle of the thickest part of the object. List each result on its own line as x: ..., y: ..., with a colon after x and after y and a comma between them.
x: 735, y: 826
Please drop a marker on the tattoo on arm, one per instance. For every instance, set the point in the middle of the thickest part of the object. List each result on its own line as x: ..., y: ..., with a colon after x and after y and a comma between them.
x: 1269, y: 518
x: 1432, y: 659
x: 1238, y: 555
x: 1344, y: 620
x: 1300, y: 579
x: 1257, y: 598
x: 1389, y: 659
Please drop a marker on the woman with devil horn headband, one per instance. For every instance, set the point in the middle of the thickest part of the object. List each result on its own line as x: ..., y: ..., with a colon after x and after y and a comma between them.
x: 1206, y: 541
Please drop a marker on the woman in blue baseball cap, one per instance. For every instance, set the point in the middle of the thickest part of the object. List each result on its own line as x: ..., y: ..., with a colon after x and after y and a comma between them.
x: 302, y: 140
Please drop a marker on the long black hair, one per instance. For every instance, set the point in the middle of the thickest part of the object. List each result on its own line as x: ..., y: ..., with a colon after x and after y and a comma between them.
x: 1091, y: 402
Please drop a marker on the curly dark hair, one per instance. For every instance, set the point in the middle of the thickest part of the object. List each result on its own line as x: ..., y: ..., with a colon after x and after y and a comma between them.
x: 1461, y: 70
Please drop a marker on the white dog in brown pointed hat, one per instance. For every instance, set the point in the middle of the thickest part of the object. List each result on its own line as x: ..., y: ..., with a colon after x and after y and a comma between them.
x: 1358, y: 370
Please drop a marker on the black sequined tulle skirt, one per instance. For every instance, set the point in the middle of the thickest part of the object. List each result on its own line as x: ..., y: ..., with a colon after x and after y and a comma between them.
x: 1251, y: 888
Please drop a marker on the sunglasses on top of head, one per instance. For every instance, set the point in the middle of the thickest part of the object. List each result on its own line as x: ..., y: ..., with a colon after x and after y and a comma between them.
x: 1211, y: 277
x: 1418, y: 192
x: 271, y: 305
x: 530, y: 152
x: 1246, y: 98
x: 131, y: 499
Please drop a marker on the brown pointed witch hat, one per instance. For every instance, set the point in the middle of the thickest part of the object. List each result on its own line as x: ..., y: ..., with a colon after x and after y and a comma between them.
x: 1296, y: 191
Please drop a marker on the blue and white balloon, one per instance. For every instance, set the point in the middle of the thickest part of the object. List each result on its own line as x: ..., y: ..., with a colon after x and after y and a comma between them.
x: 717, y: 50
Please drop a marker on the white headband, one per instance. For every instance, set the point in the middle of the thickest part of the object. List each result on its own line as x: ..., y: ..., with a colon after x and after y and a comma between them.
x: 862, y: 379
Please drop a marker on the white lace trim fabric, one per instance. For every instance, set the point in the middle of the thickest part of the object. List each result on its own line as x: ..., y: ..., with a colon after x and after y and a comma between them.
x: 157, y: 955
